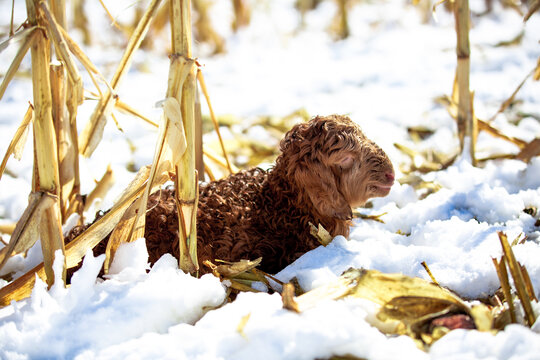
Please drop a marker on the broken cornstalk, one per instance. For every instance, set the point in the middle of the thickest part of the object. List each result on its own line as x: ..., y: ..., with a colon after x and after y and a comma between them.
x: 46, y: 166
x: 467, y: 127
x: 184, y: 93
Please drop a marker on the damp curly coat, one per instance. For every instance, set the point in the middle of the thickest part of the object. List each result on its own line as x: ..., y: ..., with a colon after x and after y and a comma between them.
x: 326, y: 167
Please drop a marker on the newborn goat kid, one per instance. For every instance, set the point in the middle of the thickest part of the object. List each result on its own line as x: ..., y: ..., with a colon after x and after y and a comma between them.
x: 326, y: 167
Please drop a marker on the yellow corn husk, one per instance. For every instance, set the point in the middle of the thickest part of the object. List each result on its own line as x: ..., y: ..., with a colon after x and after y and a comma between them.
x: 29, y: 38
x: 16, y: 145
x: 93, y: 131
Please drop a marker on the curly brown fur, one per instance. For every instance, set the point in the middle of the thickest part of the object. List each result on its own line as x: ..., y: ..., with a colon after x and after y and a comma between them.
x: 326, y: 167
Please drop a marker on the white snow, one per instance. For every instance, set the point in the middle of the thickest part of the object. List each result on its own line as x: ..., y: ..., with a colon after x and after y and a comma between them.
x: 385, y: 76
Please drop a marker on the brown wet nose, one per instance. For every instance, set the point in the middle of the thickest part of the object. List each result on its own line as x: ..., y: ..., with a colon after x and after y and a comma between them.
x: 389, y: 177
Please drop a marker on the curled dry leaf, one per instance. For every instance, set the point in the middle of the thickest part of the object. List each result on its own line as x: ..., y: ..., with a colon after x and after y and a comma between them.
x: 407, y: 305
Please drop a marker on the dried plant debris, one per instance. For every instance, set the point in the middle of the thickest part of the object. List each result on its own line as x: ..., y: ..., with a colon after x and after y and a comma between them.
x: 321, y: 234
x: 410, y: 306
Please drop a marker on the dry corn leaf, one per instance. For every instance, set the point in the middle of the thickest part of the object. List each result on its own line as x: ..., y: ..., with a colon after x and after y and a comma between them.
x: 200, y: 78
x: 517, y: 275
x: 170, y: 147
x: 533, y: 7
x: 77, y: 248
x: 26, y: 231
x: 530, y: 150
x: 500, y: 267
x: 231, y: 270
x: 321, y: 234
x: 29, y: 38
x: 16, y: 145
x: 376, y: 218
x: 287, y: 296
x: 125, y: 108
x: 512, y: 97
x: 121, y: 233
x: 411, y: 301
x: 18, y: 36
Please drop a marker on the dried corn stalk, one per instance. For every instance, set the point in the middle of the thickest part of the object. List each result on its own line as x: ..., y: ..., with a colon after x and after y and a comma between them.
x: 184, y: 92
x: 467, y: 127
x: 46, y: 159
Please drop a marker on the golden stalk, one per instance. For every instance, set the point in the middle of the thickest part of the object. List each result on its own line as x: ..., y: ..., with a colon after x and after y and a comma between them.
x: 426, y: 267
x: 184, y: 92
x: 85, y: 61
x: 500, y: 267
x: 199, y: 153
x: 510, y: 100
x: 519, y: 282
x: 467, y: 127
x: 93, y: 131
x: 200, y: 77
x: 29, y: 39
x: 122, y: 106
x: 62, y: 50
x: 101, y: 189
x: 61, y: 125
x: 16, y: 143
x: 528, y: 283
x: 46, y: 158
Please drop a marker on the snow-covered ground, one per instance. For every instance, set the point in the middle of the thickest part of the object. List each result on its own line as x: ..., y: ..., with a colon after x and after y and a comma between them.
x: 385, y: 76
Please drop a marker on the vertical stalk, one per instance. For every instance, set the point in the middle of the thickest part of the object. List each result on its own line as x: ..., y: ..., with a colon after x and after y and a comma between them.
x: 45, y: 142
x: 467, y: 126
x: 187, y: 188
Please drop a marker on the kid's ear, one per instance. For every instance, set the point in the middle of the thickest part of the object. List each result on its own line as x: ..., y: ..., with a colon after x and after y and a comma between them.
x: 344, y: 160
x: 319, y: 183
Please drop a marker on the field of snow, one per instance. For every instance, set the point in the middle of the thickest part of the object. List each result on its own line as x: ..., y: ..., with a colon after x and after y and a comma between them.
x: 385, y: 76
